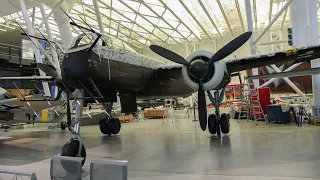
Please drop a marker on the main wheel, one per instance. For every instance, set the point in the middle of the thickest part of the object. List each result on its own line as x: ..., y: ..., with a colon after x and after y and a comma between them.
x: 212, y: 123
x: 104, y: 127
x: 71, y: 149
x: 63, y: 125
x: 224, y: 123
x: 115, y: 125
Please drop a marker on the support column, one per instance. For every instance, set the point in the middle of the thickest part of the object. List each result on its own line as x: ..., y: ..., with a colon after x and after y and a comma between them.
x: 35, y: 49
x: 305, y: 33
x: 62, y: 21
x: 313, y: 25
x: 96, y: 8
x: 54, y: 53
x: 252, y: 46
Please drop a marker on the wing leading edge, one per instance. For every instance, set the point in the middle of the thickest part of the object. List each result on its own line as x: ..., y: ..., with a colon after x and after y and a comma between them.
x: 295, y: 55
x: 303, y: 72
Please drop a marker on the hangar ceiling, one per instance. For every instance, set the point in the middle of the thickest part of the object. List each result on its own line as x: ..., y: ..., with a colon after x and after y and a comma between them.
x: 141, y: 23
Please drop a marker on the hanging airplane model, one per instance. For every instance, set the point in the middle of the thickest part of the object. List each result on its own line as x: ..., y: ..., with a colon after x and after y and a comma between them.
x: 106, y: 67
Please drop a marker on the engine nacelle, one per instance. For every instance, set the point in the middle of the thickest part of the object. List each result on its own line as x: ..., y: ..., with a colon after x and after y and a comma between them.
x: 215, y: 76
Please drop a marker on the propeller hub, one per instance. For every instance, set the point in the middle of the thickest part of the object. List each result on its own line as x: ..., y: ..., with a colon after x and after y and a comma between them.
x: 198, y: 69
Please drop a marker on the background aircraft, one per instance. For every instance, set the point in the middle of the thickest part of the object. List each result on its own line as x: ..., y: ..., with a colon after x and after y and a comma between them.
x: 29, y: 105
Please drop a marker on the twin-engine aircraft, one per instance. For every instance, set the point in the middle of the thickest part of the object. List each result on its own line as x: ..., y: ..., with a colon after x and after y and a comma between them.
x: 105, y: 67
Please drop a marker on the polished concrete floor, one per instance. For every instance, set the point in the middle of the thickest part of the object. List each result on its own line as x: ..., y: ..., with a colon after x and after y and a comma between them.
x: 178, y: 150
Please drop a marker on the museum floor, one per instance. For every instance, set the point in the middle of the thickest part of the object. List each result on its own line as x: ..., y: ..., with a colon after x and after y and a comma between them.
x: 177, y: 151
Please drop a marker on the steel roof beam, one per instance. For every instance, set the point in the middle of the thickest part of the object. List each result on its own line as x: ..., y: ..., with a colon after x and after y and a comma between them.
x: 255, y: 14
x: 225, y: 16
x: 111, y: 28
x: 239, y: 13
x: 154, y: 25
x: 116, y: 22
x: 164, y: 20
x: 195, y: 19
x: 51, y: 12
x: 270, y: 10
x: 110, y: 16
x: 284, y: 18
x: 273, y: 20
x: 135, y: 19
x: 98, y: 16
x: 111, y: 8
x: 175, y: 15
x: 210, y: 18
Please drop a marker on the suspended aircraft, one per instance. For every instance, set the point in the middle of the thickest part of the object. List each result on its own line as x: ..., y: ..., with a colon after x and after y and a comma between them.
x: 105, y: 67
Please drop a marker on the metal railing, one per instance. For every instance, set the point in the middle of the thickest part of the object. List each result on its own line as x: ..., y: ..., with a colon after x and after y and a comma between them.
x: 18, y: 174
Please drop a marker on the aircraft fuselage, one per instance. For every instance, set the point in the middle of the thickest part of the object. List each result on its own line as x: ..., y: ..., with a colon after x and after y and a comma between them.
x: 110, y: 75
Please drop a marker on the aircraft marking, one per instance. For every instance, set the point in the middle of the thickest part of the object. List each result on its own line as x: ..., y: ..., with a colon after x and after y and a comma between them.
x: 291, y: 52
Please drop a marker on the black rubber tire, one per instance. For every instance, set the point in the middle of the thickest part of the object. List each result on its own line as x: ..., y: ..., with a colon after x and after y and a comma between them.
x: 63, y: 125
x: 71, y: 149
x: 104, y: 126
x: 225, y: 123
x: 116, y: 125
x: 212, y: 123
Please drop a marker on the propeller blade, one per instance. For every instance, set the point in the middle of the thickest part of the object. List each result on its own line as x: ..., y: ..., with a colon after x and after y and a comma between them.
x: 169, y: 55
x: 49, y: 70
x: 202, y: 107
x: 230, y: 47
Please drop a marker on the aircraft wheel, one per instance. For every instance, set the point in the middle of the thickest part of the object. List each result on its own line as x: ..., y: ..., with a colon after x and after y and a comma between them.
x: 63, y: 125
x: 104, y: 126
x: 71, y: 149
x: 224, y: 123
x: 212, y: 123
x: 115, y: 125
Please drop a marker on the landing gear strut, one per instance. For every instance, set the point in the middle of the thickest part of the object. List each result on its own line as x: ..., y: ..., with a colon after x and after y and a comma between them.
x: 217, y: 123
x: 74, y: 147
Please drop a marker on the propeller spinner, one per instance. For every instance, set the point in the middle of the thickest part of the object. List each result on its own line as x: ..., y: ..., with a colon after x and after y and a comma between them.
x: 199, y: 69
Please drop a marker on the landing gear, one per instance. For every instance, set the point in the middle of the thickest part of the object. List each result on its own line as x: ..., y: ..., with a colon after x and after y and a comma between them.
x: 115, y: 125
x: 74, y: 147
x: 63, y: 125
x: 71, y: 149
x: 217, y: 124
x: 212, y: 123
x: 224, y: 123
x: 110, y: 125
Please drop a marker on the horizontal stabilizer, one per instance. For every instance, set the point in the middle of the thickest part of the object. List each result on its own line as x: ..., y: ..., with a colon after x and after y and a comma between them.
x: 304, y: 72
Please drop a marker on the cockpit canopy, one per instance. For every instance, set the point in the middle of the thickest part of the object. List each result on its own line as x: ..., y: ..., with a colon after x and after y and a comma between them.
x: 84, y: 40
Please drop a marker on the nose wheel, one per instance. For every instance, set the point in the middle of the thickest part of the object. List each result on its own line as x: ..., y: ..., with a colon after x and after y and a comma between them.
x: 71, y: 149
x: 217, y: 123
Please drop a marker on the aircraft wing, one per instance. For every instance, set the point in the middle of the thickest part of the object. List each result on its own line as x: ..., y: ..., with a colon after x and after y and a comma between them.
x: 303, y: 72
x: 295, y: 55
x: 18, y: 105
x: 37, y: 78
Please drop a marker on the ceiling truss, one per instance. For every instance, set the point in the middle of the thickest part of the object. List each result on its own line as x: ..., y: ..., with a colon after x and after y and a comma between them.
x: 141, y: 23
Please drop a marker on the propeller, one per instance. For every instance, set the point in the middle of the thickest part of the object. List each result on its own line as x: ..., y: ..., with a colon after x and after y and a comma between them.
x: 169, y: 55
x: 51, y: 71
x: 230, y: 47
x: 199, y: 69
